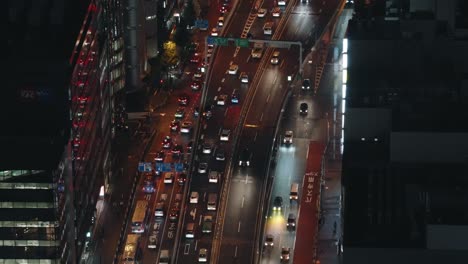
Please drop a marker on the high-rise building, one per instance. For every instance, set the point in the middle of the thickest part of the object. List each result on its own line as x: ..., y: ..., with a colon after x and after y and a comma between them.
x: 60, y: 108
x: 405, y: 153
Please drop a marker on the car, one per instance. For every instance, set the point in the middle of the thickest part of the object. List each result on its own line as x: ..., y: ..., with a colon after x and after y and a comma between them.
x: 288, y: 137
x: 182, y: 179
x: 194, y: 197
x: 303, y: 108
x: 207, y: 226
x: 278, y: 203
x: 291, y: 223
x: 257, y: 53
x: 195, y: 85
x: 175, y: 124
x: 196, y: 112
x: 268, y: 28
x: 220, y: 156
x: 196, y: 57
x: 148, y: 184
x: 244, y: 77
x: 306, y: 84
x: 269, y: 240
x: 244, y: 159
x: 285, y: 253
x: 221, y: 100
x: 234, y: 98
x: 225, y: 133
x: 275, y: 58
x: 233, y: 68
x: 193, y: 46
x: 183, y: 100
x: 213, y: 177
x: 174, y: 214
x: 160, y: 156
x: 207, y: 112
x: 282, y: 2
x: 261, y: 12
x: 276, y: 12
x: 203, y: 255
x: 202, y: 167
x: 209, y: 52
x: 167, y: 142
x: 152, y: 240
x: 214, y: 32
x: 186, y: 127
x: 224, y: 9
x: 189, y: 147
x: 206, y: 149
x: 180, y: 113
x: 168, y: 177
x: 197, y: 75
x: 220, y: 21
x: 177, y: 149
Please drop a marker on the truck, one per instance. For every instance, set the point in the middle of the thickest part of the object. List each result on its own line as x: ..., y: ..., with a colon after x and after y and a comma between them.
x: 257, y: 50
x: 164, y: 257
x: 207, y: 224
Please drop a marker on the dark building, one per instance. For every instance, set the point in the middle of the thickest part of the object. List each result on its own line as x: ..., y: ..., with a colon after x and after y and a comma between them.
x: 60, y: 109
x: 405, y: 156
x: 35, y: 117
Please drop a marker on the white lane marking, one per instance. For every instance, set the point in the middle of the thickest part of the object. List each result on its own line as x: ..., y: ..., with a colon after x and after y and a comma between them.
x: 199, y: 222
x: 235, y: 252
x: 202, y: 135
x: 205, y: 126
x: 248, y: 58
x: 230, y: 63
x: 307, y: 153
x: 186, y: 249
x: 238, y: 227
x: 243, y: 199
x: 219, y: 132
x: 268, y: 98
x: 222, y: 80
x: 276, y: 78
x: 255, y: 137
x: 219, y: 88
x: 196, y: 244
x: 282, y: 63
x: 246, y: 178
x: 204, y: 197
x: 225, y: 112
x: 261, y: 117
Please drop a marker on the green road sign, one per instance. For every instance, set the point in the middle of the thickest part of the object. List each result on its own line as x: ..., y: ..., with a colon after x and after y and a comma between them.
x: 221, y: 41
x: 242, y: 43
x: 279, y: 44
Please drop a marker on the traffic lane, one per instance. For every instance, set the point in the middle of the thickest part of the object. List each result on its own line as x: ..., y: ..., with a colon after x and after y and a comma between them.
x: 301, y: 26
x: 254, y: 174
x: 241, y: 14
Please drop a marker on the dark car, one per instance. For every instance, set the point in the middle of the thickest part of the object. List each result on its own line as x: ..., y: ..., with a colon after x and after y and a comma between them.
x: 167, y: 142
x: 306, y: 84
x: 177, y: 149
x: 174, y: 126
x: 207, y: 112
x: 291, y: 224
x: 174, y: 214
x: 244, y: 159
x: 160, y: 156
x: 196, y: 85
x: 182, y: 179
x: 303, y: 108
x: 278, y: 203
x: 183, y: 100
x: 189, y: 146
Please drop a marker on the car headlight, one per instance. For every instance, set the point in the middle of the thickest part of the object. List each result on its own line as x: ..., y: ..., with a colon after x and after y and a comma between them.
x: 266, y: 244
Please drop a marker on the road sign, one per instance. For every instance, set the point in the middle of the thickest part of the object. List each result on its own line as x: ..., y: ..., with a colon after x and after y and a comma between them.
x: 210, y: 40
x: 167, y: 167
x: 145, y: 167
x: 200, y: 23
x: 179, y: 167
x: 242, y: 42
x: 278, y: 44
x: 159, y: 166
x: 221, y: 41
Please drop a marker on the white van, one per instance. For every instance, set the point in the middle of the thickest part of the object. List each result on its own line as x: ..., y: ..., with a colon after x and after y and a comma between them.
x: 294, y: 194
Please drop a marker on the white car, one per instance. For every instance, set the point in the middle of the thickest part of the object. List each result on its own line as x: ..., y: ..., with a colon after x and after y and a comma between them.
x: 221, y: 99
x: 152, y: 241
x: 220, y: 21
x: 202, y: 167
x: 203, y: 255
x: 194, y: 197
x: 214, y: 32
x: 168, y: 177
x: 186, y: 127
x: 282, y: 2
x: 262, y: 12
x: 213, y: 177
x: 233, y: 69
x: 268, y: 28
x: 276, y: 12
x: 244, y: 77
x: 225, y: 135
x: 207, y: 148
